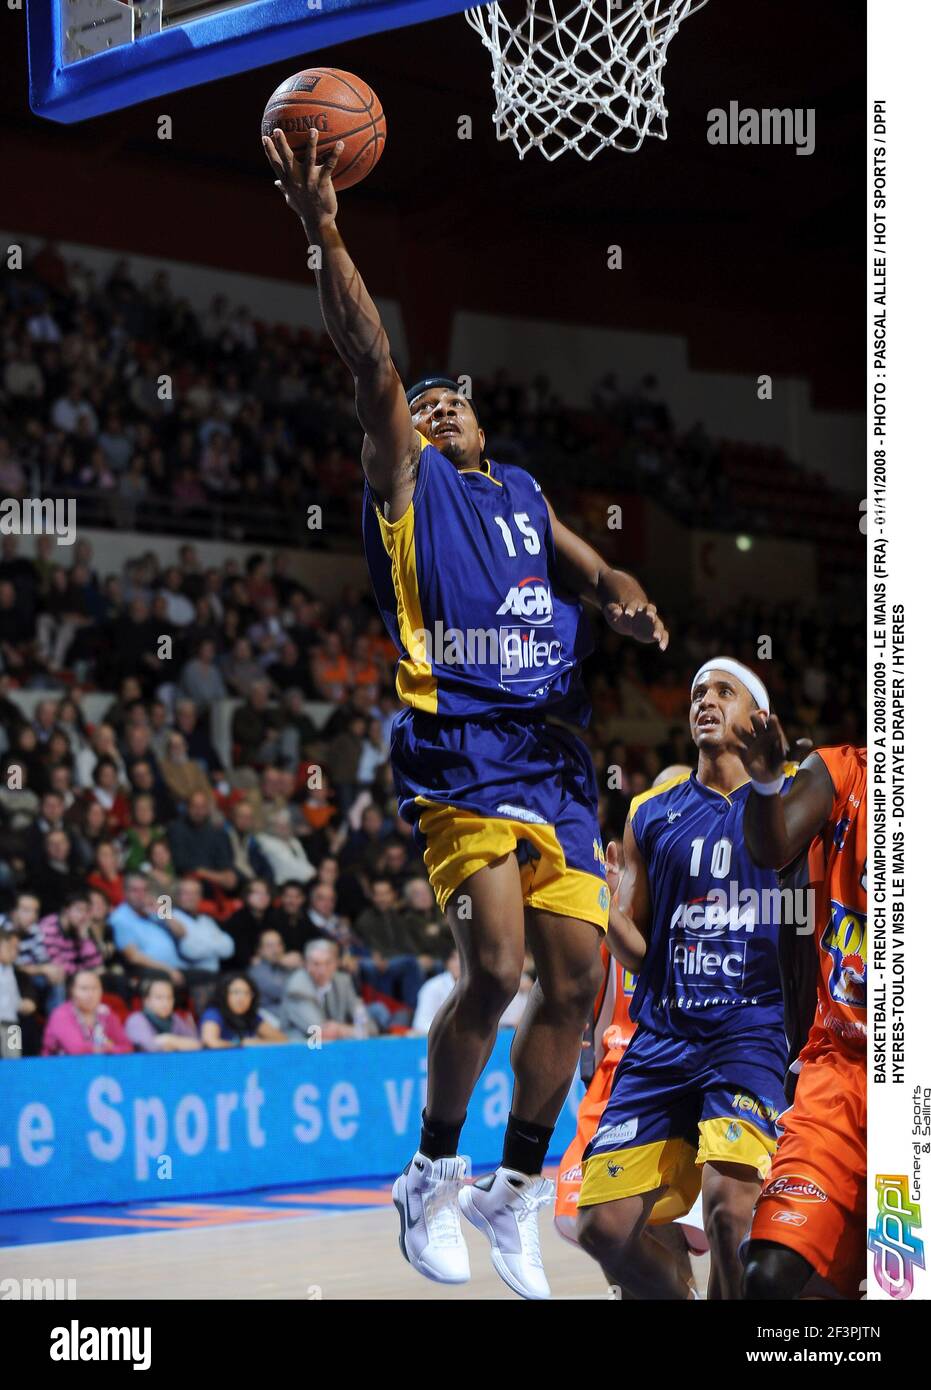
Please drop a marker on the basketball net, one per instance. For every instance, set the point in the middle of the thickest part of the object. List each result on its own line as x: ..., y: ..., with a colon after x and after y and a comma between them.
x: 582, y: 75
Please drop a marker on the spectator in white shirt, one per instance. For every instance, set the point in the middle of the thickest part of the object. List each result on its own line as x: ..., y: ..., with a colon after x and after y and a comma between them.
x: 70, y: 408
x: 434, y: 993
x: 204, y: 944
x: 284, y: 851
x: 179, y: 608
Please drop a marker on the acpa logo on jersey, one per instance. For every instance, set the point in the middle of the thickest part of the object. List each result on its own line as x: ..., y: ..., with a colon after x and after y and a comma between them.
x: 530, y: 600
x: 533, y: 649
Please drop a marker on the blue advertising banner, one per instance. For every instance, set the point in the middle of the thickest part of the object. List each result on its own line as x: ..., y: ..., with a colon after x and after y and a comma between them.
x: 77, y: 1130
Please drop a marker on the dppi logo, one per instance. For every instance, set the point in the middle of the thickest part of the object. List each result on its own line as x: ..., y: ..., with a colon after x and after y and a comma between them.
x: 529, y: 600
x: 845, y: 941
x: 897, y: 1251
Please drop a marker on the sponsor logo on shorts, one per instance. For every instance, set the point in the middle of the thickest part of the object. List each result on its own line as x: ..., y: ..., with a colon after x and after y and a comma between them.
x: 572, y: 1174
x: 733, y: 1132
x: 615, y: 1134
x: 615, y: 1169
x: 795, y: 1188
x: 603, y: 898
x: 758, y: 1108
x: 789, y: 1218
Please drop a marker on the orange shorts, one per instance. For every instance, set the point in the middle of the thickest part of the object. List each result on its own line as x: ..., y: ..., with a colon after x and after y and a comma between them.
x: 815, y: 1198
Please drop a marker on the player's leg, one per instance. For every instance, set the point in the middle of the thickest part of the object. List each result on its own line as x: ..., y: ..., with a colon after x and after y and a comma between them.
x: 544, y: 1055
x: 639, y: 1170
x: 490, y: 940
x: 630, y: 1254
x: 546, y: 1046
x: 741, y: 1083
x: 487, y: 919
x: 729, y: 1192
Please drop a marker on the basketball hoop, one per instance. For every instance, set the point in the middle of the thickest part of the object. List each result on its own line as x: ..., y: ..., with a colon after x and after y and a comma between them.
x: 582, y: 75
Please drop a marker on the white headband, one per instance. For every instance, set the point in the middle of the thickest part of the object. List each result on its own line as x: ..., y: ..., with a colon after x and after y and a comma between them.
x: 742, y: 673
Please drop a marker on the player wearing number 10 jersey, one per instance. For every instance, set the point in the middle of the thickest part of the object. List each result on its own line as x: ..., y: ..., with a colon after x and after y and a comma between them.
x: 697, y: 1094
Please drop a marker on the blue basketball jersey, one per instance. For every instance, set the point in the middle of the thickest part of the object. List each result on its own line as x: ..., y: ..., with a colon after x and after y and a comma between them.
x: 466, y: 581
x: 712, y: 963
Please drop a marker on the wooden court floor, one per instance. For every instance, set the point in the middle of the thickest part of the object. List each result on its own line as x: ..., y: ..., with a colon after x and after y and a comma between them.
x: 338, y: 1255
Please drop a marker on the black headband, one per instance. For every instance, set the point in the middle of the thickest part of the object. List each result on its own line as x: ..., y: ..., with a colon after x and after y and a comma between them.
x: 430, y: 383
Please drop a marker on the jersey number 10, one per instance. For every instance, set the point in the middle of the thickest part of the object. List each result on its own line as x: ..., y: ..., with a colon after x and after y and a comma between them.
x: 720, y: 858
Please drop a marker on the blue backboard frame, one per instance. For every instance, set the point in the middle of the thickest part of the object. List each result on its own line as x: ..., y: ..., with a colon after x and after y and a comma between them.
x: 199, y: 50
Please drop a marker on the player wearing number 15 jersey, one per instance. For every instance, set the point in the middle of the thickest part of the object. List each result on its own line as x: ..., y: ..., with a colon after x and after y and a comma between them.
x: 481, y: 589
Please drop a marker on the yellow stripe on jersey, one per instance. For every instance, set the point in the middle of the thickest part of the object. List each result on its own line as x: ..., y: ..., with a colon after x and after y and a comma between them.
x: 790, y: 769
x: 655, y: 791
x: 416, y: 683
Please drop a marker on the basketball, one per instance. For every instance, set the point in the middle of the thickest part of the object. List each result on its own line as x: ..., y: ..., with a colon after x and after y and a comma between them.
x: 340, y: 106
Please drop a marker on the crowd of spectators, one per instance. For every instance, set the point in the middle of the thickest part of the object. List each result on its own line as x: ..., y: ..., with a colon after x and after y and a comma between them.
x: 159, y: 417
x: 133, y: 853
x: 161, y: 893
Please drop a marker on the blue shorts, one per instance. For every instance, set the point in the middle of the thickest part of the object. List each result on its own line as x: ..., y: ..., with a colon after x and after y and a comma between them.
x: 677, y: 1103
x: 476, y: 790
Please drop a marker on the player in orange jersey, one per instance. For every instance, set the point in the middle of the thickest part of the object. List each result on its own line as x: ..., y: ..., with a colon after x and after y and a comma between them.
x: 808, y: 1236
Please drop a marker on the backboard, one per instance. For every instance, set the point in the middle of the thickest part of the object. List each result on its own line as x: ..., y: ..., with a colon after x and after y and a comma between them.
x: 88, y: 57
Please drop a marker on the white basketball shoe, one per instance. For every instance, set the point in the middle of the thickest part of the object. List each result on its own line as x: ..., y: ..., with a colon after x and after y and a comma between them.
x: 504, y: 1206
x: 426, y: 1196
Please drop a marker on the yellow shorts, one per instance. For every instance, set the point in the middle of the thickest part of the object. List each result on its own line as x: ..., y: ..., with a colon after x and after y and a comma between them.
x: 458, y: 843
x: 673, y: 1164
x: 678, y: 1103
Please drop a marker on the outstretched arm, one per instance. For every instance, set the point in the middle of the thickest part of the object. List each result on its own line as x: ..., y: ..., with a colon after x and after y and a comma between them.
x: 620, y: 597
x: 629, y: 914
x: 391, y: 448
x: 777, y: 828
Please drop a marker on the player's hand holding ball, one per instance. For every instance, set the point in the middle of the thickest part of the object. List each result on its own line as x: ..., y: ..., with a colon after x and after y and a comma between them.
x: 325, y: 113
x: 307, y: 186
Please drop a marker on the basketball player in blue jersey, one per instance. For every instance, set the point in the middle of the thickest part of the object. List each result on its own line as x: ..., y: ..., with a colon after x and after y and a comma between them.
x: 697, y: 1094
x: 481, y: 588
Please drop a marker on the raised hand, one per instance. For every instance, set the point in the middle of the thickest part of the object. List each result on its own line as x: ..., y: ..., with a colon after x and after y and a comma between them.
x: 765, y: 750
x: 637, y: 619
x: 306, y: 185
